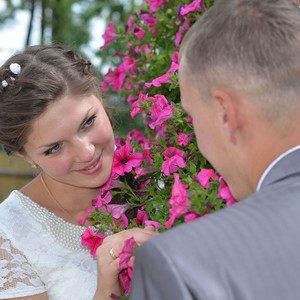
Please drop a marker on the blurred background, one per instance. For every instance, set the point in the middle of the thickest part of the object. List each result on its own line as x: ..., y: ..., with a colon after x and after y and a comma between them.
x: 78, y: 24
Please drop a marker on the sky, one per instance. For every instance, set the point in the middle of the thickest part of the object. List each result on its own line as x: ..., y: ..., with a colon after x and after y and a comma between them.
x: 13, y: 36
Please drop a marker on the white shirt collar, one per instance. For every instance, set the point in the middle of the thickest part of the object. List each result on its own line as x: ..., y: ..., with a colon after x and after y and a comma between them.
x: 274, y: 162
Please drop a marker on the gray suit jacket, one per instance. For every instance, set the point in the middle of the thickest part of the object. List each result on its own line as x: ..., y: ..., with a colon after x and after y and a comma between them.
x: 248, y: 251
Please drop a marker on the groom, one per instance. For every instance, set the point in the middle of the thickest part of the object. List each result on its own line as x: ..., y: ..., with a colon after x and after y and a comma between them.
x: 240, y: 83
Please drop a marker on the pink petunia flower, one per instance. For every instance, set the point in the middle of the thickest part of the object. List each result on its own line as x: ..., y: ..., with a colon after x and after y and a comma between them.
x: 155, y: 4
x: 184, y: 139
x: 224, y: 193
x: 148, y: 19
x: 160, y: 114
x: 174, y: 159
x: 121, y: 72
x: 141, y: 217
x: 125, y: 161
x: 126, y: 264
x: 92, y: 240
x: 108, y: 80
x: 180, y: 32
x: 102, y: 200
x: 191, y: 216
x: 109, y: 35
x: 155, y: 224
x: 165, y: 78
x: 139, y: 32
x: 196, y: 5
x: 117, y: 210
x: 127, y: 253
x: 205, y: 175
x: 118, y: 213
x: 179, y: 201
x: 129, y: 23
x: 142, y: 171
x: 135, y: 106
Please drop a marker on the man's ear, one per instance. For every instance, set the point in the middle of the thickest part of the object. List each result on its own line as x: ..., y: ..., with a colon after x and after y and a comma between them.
x: 226, y: 105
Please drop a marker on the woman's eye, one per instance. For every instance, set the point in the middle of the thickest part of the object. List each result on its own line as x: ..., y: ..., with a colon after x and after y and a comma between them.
x: 52, y: 149
x: 90, y: 121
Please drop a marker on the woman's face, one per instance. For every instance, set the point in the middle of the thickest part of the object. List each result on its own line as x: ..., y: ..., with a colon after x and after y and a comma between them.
x: 73, y: 142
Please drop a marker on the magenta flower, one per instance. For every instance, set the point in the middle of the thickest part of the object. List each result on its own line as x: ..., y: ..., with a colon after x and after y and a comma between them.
x: 196, y: 5
x: 142, y: 171
x: 141, y: 217
x: 118, y: 213
x: 191, y: 216
x: 183, y: 139
x: 224, y: 193
x: 125, y: 161
x: 165, y: 78
x: 205, y: 175
x: 92, y: 240
x: 126, y: 264
x: 127, y: 253
x: 125, y: 280
x: 174, y: 159
x: 117, y: 210
x: 108, y: 80
x: 121, y: 72
x: 159, y: 114
x: 129, y: 23
x: 148, y: 19
x: 137, y: 136
x: 135, y: 106
x: 179, y: 201
x: 155, y: 4
x: 111, y: 183
x: 109, y: 35
x: 155, y: 224
x: 102, y: 200
x: 180, y: 32
x: 139, y: 32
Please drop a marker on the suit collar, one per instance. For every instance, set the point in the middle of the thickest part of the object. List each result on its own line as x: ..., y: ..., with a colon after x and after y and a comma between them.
x: 285, y: 165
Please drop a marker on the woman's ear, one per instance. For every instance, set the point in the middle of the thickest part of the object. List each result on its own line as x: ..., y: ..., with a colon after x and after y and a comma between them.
x: 24, y: 156
x: 227, y: 113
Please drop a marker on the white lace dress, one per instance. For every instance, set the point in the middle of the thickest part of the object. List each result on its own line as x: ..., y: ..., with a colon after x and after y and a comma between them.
x: 40, y: 252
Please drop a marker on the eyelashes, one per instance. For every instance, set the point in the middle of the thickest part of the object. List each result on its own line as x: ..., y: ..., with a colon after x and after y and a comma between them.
x: 89, y: 122
x: 52, y: 149
x: 85, y: 125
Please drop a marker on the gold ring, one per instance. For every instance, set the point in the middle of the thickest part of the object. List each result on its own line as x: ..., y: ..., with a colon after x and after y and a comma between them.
x: 113, y: 256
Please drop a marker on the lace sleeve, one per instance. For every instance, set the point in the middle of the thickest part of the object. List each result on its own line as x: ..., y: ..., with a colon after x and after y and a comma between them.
x: 17, y: 278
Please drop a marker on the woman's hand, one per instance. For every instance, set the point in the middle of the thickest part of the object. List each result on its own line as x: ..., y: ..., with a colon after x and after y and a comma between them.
x: 107, y: 257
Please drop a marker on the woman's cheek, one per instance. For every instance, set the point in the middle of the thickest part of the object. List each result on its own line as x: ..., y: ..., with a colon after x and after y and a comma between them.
x: 58, y: 166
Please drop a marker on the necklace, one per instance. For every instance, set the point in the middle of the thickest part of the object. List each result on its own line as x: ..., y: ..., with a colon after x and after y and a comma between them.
x: 56, y: 201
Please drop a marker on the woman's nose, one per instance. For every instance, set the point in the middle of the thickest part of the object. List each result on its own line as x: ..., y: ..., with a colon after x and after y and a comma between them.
x: 85, y: 150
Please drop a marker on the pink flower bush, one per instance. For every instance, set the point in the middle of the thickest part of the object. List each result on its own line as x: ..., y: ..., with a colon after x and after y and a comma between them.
x: 158, y: 170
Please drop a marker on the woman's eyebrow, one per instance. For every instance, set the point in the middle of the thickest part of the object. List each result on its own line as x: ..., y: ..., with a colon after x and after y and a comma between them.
x: 80, y: 126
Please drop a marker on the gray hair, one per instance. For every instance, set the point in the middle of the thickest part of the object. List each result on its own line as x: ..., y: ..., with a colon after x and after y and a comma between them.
x: 252, y: 46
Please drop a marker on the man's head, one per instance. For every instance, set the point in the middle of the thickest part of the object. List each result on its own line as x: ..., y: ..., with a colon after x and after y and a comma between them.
x: 239, y: 79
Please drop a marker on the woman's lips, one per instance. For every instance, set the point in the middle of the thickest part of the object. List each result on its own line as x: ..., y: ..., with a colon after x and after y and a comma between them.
x: 93, y: 168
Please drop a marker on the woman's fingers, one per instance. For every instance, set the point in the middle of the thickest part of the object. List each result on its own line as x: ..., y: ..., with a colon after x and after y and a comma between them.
x: 113, y: 244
